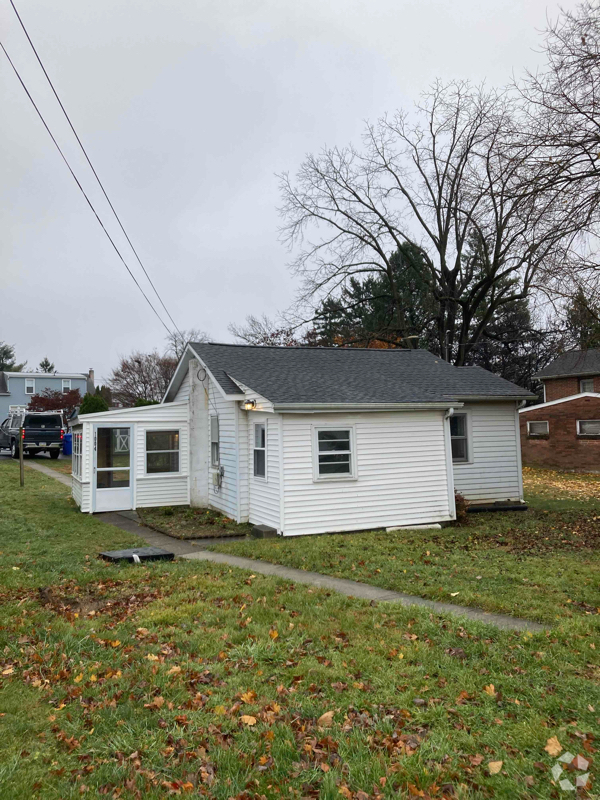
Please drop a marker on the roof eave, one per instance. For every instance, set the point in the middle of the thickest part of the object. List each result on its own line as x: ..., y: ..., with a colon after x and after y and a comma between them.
x: 466, y: 398
x: 540, y: 377
x: 315, y: 408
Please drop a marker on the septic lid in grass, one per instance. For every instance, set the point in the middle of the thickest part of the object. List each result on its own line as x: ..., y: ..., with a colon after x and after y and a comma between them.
x: 138, y: 554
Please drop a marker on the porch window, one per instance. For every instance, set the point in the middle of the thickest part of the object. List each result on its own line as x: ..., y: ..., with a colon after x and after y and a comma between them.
x: 66, y: 385
x: 260, y: 450
x: 77, y: 451
x: 162, y: 451
x: 29, y: 385
x: 588, y: 427
x: 586, y: 385
x: 334, y: 452
x: 538, y: 428
x: 215, y: 454
x: 459, y: 438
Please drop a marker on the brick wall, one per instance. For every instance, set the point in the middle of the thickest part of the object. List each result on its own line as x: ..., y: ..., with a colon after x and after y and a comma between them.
x: 557, y: 388
x: 562, y: 448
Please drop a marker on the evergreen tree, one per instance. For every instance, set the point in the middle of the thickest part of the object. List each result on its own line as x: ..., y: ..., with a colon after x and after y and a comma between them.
x: 583, y: 322
x: 92, y: 404
x: 8, y: 361
x: 46, y: 365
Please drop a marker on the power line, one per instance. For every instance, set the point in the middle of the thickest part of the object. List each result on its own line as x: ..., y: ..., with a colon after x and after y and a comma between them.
x: 81, y: 189
x: 92, y: 167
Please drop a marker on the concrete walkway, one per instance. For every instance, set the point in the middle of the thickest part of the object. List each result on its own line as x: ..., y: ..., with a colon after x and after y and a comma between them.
x: 364, y: 590
x: 193, y: 549
x: 51, y: 473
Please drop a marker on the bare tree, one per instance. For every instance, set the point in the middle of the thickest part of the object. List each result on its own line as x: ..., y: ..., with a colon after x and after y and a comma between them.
x: 177, y: 340
x: 141, y: 376
x: 458, y: 184
x: 265, y: 332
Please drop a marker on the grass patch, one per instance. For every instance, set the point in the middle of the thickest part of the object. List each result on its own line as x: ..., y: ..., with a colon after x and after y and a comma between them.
x: 542, y: 564
x: 61, y: 464
x: 185, y: 522
x: 189, y: 678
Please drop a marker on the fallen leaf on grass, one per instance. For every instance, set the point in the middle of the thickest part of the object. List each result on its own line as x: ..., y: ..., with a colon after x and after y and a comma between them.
x: 248, y: 720
x: 553, y: 746
x: 248, y: 697
x: 326, y: 719
x: 490, y: 690
x: 495, y: 767
x: 453, y: 594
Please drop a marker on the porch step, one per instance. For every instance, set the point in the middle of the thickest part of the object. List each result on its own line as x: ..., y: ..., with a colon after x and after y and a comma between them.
x: 263, y: 532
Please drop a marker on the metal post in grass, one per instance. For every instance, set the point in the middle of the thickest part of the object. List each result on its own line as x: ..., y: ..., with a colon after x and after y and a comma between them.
x: 21, y: 462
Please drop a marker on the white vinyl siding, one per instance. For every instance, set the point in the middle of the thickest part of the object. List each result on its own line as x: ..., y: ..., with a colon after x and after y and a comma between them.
x: 401, y: 473
x: 183, y: 393
x: 493, y: 472
x: 264, y: 493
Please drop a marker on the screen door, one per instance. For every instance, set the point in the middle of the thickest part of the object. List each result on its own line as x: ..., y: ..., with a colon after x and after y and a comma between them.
x: 112, y: 469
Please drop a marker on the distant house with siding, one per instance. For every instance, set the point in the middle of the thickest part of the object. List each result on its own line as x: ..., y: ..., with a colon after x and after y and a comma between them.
x: 308, y: 440
x: 17, y: 388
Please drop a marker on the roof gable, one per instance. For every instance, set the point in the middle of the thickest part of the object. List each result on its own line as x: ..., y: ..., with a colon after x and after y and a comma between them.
x: 331, y: 375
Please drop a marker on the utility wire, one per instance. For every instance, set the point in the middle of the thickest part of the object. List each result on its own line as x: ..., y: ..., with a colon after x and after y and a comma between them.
x: 92, y: 167
x: 89, y: 202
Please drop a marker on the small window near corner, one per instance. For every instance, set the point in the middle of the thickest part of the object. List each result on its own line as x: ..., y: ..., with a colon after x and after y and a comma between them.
x: 538, y: 429
x: 66, y: 385
x: 260, y: 450
x: 586, y: 385
x: 29, y: 385
x: 459, y: 438
x: 215, y: 454
x: 162, y: 451
x: 588, y: 427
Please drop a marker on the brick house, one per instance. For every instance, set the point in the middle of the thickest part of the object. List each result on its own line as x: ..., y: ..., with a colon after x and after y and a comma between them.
x: 564, y: 430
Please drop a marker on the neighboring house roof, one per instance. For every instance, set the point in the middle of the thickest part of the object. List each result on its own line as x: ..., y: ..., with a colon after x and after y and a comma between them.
x: 572, y: 364
x: 568, y: 399
x: 331, y: 375
x: 3, y: 384
x: 82, y: 375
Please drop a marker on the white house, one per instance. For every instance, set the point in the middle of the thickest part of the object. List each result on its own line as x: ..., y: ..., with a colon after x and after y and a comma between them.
x: 308, y: 440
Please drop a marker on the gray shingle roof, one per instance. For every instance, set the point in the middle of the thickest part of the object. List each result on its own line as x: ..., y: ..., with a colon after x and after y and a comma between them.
x: 348, y: 375
x: 573, y: 363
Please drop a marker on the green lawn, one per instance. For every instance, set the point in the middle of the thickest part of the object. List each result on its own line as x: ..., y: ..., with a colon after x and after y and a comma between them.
x: 190, y: 678
x: 61, y: 464
x: 541, y: 564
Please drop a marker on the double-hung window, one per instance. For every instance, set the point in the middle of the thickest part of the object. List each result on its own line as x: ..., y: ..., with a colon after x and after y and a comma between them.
x: 215, y: 454
x: 586, y: 385
x: 29, y: 385
x: 162, y: 452
x: 77, y: 451
x: 588, y: 427
x: 260, y: 449
x: 334, y: 453
x: 538, y: 428
x: 459, y: 436
x: 66, y: 385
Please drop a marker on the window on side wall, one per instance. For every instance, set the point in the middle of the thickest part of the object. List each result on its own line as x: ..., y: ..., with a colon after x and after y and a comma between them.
x: 334, y: 453
x: 215, y: 454
x: 538, y: 429
x: 29, y: 385
x: 77, y: 453
x: 260, y: 450
x: 66, y: 385
x: 459, y: 438
x: 586, y: 385
x: 162, y: 452
x: 588, y: 427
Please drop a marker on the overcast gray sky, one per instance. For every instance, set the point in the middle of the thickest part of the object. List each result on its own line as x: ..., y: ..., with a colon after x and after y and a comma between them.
x: 187, y: 110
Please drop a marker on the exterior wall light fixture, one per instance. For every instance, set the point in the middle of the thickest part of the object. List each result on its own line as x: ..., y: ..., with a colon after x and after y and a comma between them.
x: 249, y: 405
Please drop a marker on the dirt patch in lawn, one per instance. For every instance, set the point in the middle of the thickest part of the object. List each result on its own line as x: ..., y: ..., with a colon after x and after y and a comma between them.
x: 185, y: 522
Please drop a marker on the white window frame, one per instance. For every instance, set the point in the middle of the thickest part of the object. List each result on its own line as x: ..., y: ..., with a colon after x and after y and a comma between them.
x: 579, y: 433
x: 255, y: 425
x: 30, y: 382
x: 538, y: 422
x: 353, y: 474
x: 214, y: 419
x: 468, y: 436
x: 146, y: 451
x: 582, y: 390
x: 68, y: 382
x: 77, y: 463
